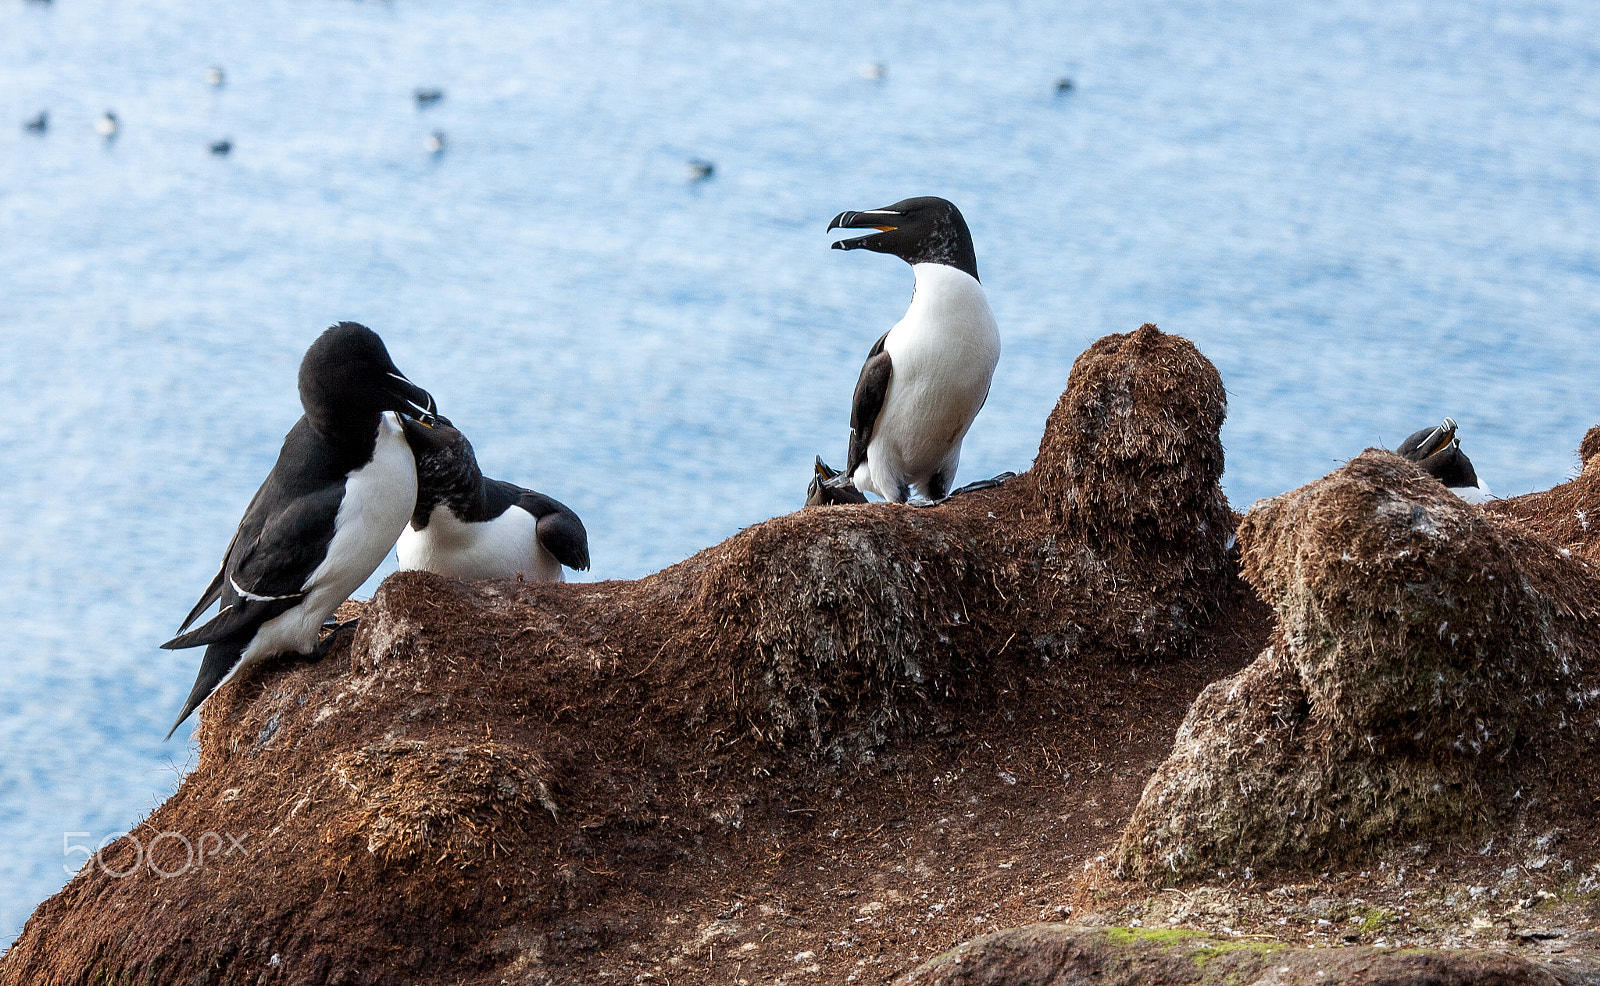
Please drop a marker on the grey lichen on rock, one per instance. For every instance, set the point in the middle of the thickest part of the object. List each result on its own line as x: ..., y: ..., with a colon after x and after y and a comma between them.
x: 1426, y: 654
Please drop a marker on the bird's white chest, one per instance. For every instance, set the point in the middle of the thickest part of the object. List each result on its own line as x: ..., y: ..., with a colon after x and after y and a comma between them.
x: 496, y: 549
x: 943, y: 354
x: 378, y: 499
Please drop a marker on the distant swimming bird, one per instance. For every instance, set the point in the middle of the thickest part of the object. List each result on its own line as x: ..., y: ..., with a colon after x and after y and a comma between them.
x: 215, y: 76
x: 38, y: 124
x: 700, y: 170
x: 830, y: 486
x: 434, y: 142
x: 427, y: 97
x: 221, y: 147
x: 1063, y: 86
x: 874, y: 71
x: 466, y: 526
x: 106, y: 125
x: 928, y: 376
x: 343, y: 487
x: 1438, y: 452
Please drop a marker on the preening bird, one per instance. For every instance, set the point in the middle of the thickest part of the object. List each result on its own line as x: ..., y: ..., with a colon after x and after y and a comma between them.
x: 1438, y: 451
x: 342, y: 490
x: 926, y: 378
x: 467, y: 526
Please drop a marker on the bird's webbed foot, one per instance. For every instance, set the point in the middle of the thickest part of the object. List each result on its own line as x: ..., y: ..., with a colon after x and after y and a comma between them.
x: 326, y: 643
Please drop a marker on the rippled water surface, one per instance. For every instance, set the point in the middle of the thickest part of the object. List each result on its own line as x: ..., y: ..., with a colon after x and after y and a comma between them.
x: 1368, y: 214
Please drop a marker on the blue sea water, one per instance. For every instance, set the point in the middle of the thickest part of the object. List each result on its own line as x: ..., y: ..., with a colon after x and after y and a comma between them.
x: 1368, y: 213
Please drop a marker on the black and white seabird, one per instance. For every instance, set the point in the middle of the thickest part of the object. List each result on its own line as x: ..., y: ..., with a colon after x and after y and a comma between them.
x: 106, y: 124
x: 434, y: 143
x: 215, y: 76
x: 926, y: 378
x: 1438, y: 451
x: 221, y: 147
x: 466, y: 526
x: 335, y: 502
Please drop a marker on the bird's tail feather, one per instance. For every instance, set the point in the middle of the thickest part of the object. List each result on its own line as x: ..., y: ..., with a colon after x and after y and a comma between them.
x: 214, y: 667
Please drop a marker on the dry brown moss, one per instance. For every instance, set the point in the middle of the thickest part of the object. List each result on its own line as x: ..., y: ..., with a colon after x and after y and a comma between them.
x: 1424, y: 652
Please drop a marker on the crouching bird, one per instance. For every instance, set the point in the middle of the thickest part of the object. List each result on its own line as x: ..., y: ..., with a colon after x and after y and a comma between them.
x: 1438, y: 452
x: 466, y: 526
x: 928, y: 376
x: 343, y: 487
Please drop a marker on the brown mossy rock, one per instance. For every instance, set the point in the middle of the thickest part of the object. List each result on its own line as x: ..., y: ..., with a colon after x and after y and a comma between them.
x: 1431, y: 669
x: 494, y: 777
x: 1569, y: 514
x: 1060, y: 955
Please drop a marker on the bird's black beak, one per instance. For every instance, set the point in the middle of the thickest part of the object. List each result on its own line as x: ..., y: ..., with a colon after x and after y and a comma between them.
x: 882, y: 220
x: 413, y: 400
x: 1438, y: 440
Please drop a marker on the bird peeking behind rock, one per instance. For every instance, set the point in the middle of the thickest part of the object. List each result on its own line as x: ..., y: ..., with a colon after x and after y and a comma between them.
x: 830, y: 486
x: 926, y: 378
x: 466, y: 526
x: 342, y: 490
x: 1438, y: 452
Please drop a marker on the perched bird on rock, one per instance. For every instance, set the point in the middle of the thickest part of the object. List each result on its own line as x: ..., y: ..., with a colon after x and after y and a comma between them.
x: 343, y: 487
x: 1438, y: 452
x: 466, y: 526
x: 927, y: 377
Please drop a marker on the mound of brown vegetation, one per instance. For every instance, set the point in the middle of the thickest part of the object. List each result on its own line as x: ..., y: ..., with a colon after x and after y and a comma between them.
x: 1430, y: 669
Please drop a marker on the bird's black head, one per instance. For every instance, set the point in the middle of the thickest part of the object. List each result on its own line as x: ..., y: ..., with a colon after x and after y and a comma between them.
x: 447, y: 468
x: 1438, y: 452
x: 347, y: 379
x: 926, y: 230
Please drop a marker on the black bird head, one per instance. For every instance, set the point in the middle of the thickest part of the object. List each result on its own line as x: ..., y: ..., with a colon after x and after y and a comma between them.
x: 926, y: 230
x: 447, y: 468
x: 347, y: 378
x: 1438, y: 452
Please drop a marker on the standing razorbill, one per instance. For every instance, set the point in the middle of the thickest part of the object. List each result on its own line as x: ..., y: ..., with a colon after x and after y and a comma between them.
x: 338, y: 497
x: 466, y: 526
x: 1438, y: 452
x: 926, y: 378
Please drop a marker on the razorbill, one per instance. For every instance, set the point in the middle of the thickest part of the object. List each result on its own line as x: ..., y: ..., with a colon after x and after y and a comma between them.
x: 699, y: 169
x: 434, y: 142
x: 466, y: 526
x: 338, y: 497
x: 827, y: 487
x: 106, y: 124
x: 927, y: 377
x: 1438, y: 452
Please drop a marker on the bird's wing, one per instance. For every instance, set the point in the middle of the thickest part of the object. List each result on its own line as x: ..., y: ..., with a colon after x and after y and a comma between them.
x: 249, y: 529
x: 267, y: 575
x: 871, y: 387
x: 560, y: 531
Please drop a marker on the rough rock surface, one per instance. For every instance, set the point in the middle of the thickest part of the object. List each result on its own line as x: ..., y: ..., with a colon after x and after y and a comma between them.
x: 1057, y: 955
x: 1432, y: 671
